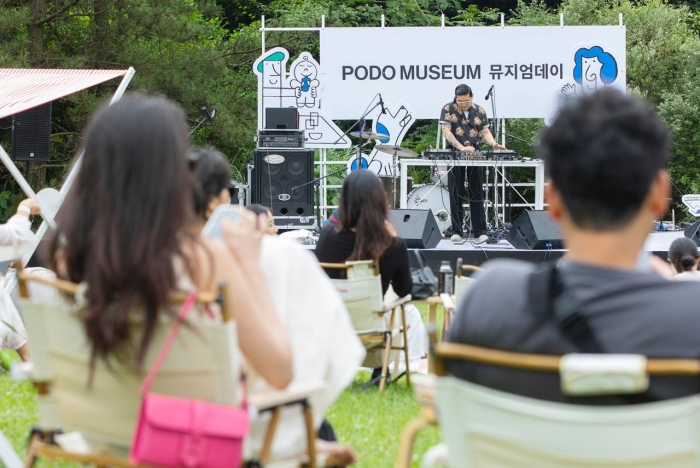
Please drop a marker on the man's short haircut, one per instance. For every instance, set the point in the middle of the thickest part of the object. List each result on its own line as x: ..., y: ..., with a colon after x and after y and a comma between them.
x: 602, y: 152
x: 463, y: 90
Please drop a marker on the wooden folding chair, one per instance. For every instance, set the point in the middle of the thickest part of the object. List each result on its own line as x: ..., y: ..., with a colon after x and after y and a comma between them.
x: 204, y: 363
x: 461, y: 390
x: 449, y: 303
x: 362, y: 294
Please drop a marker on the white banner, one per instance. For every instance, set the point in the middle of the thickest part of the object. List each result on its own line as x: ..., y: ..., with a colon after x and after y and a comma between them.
x: 531, y: 67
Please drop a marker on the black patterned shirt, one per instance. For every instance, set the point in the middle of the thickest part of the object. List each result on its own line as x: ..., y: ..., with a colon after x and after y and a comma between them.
x: 467, y: 128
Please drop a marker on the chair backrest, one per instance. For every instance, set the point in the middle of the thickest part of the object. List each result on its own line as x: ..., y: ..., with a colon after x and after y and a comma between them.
x: 462, y: 283
x: 362, y: 294
x: 204, y: 363
x: 486, y: 427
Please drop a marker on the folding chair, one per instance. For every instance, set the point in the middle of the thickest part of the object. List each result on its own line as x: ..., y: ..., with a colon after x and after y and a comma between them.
x: 462, y: 284
x: 486, y: 427
x: 362, y: 294
x: 204, y: 363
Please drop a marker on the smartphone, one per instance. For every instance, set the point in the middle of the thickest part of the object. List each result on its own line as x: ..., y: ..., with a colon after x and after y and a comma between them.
x: 213, y: 227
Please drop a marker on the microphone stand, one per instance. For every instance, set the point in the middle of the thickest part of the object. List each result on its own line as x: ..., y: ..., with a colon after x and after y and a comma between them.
x: 513, y: 137
x: 492, y: 95
x: 317, y: 187
x: 207, y: 117
x: 360, y: 121
x: 201, y: 122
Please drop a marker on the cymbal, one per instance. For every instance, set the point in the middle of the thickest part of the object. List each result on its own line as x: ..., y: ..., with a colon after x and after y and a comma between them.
x: 399, y: 151
x: 370, y: 135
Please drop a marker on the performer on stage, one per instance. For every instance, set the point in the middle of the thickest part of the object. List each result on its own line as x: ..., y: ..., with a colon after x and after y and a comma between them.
x: 464, y: 124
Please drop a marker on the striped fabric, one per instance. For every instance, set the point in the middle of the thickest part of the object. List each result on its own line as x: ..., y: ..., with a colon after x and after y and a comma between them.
x: 26, y: 88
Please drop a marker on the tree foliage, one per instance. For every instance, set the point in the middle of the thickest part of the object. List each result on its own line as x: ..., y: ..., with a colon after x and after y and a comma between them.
x: 199, y: 53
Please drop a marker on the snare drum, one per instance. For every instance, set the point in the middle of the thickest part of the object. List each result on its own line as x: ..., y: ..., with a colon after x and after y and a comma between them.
x: 432, y: 197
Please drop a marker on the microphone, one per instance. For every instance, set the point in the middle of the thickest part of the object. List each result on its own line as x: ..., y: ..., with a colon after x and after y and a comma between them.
x: 209, y: 115
x: 488, y: 95
x: 381, y: 103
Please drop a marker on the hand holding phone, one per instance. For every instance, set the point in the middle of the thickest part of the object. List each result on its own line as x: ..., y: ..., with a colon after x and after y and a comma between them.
x: 213, y: 227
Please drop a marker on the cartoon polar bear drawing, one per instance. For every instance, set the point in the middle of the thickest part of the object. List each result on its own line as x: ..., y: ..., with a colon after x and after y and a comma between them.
x: 305, y: 84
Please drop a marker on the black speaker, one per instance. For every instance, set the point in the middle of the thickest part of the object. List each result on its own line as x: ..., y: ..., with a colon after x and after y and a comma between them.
x: 693, y: 232
x: 276, y: 174
x: 282, y: 117
x: 31, y: 134
x: 534, y: 230
x: 417, y: 228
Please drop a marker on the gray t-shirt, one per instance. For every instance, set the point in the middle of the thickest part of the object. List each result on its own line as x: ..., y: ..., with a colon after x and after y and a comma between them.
x: 630, y: 312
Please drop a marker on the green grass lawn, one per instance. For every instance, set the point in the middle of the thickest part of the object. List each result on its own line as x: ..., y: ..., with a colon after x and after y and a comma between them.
x: 369, y: 421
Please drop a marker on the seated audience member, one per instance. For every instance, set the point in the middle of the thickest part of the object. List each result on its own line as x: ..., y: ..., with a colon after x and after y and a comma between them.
x: 365, y: 233
x: 684, y: 257
x: 324, y: 344
x: 267, y: 221
x: 212, y: 179
x: 15, y: 235
x: 126, y: 229
x: 605, y: 154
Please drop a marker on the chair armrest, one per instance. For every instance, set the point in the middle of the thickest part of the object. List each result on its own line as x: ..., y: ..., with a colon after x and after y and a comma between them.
x: 447, y: 302
x: 291, y: 395
x: 424, y: 388
x: 388, y: 307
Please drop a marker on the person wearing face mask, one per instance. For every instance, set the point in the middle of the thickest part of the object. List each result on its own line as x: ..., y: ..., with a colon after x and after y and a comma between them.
x: 464, y: 125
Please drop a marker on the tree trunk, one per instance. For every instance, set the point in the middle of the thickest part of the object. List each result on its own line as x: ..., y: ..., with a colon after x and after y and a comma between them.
x: 100, y: 46
x: 36, y: 32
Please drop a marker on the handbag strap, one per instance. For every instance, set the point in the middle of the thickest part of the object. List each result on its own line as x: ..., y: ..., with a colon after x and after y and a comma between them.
x: 153, y: 372
x: 419, y: 256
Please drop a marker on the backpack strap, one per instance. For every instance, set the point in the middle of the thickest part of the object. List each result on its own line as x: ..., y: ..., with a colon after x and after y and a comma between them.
x: 549, y: 299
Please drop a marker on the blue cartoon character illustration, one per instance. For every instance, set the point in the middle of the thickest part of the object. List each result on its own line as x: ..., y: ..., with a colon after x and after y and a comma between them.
x: 594, y: 69
x: 395, y: 123
x: 305, y: 83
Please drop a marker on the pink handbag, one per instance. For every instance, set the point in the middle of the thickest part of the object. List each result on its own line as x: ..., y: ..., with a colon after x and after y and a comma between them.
x: 184, y: 433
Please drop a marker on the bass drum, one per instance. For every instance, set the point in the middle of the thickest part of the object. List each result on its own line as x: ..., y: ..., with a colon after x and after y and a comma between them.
x: 432, y: 197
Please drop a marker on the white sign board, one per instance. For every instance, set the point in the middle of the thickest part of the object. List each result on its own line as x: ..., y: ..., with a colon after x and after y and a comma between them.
x: 532, y: 68
x: 693, y: 203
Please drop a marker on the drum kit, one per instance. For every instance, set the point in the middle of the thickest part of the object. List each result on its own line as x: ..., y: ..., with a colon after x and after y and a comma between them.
x: 396, y: 152
x: 432, y: 196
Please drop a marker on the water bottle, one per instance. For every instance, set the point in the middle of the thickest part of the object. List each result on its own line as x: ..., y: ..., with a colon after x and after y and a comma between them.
x: 445, y: 279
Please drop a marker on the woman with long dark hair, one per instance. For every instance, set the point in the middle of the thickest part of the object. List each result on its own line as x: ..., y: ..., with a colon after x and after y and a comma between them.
x: 127, y: 230
x: 364, y: 232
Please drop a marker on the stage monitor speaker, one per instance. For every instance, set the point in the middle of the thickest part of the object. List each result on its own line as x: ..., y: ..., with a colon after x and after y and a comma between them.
x: 417, y: 228
x: 31, y: 134
x: 535, y: 230
x: 693, y: 232
x: 282, y: 118
x: 276, y: 174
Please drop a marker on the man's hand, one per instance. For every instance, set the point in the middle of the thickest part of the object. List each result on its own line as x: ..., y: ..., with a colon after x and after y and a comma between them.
x: 497, y: 146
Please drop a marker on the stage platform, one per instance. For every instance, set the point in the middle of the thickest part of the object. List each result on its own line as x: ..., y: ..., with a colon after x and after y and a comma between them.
x: 657, y: 243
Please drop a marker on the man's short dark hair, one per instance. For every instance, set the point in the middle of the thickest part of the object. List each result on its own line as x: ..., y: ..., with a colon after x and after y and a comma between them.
x: 463, y: 90
x: 602, y: 152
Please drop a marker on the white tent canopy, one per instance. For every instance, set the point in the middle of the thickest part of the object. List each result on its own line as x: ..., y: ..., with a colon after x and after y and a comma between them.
x: 24, y: 89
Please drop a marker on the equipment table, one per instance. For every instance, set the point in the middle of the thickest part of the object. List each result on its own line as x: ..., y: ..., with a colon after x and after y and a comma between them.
x: 536, y: 164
